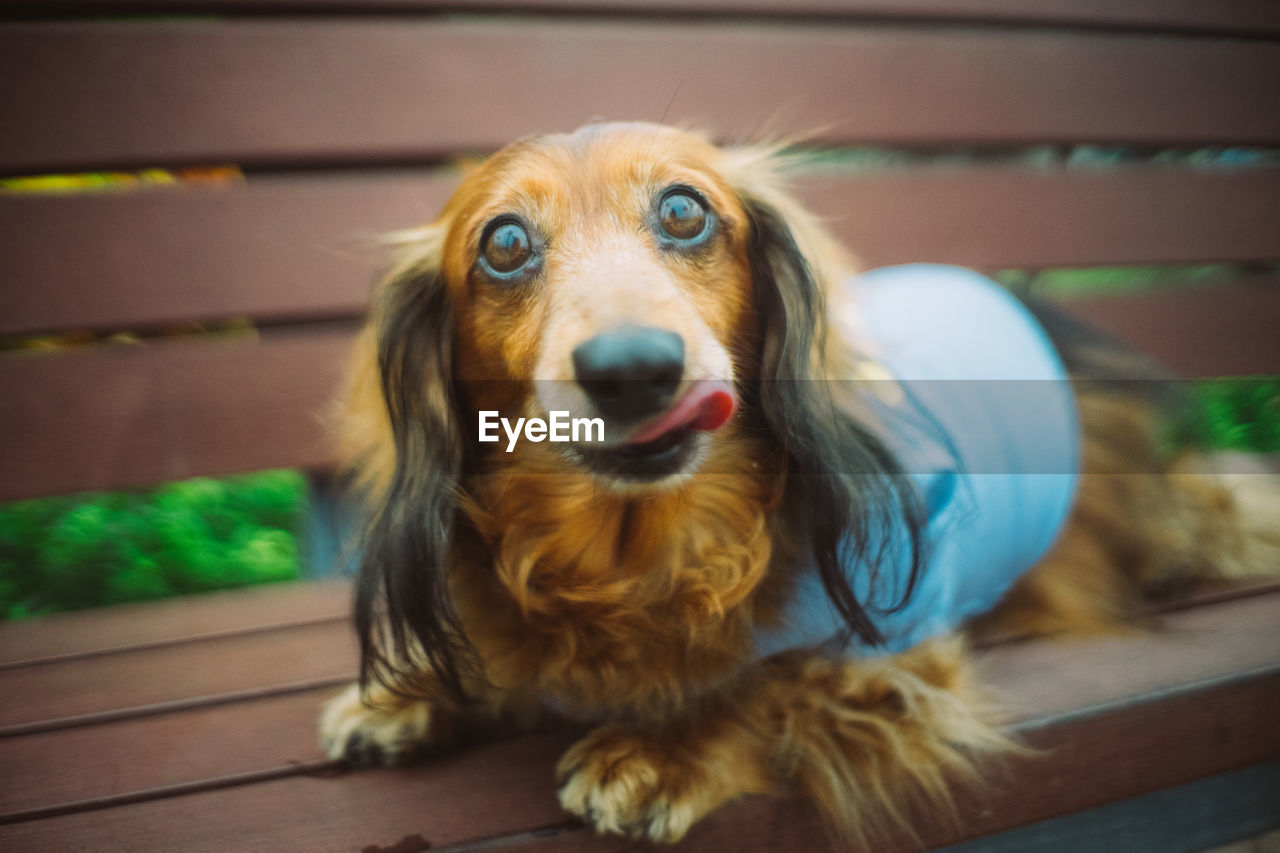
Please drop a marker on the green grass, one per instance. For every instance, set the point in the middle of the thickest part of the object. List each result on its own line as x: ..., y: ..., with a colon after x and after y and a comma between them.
x: 194, y: 536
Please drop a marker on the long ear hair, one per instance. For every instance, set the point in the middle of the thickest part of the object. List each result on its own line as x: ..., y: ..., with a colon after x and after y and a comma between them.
x: 845, y: 495
x: 404, y: 616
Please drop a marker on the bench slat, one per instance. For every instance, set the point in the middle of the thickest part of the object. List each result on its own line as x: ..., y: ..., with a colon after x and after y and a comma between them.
x: 277, y: 248
x: 263, y: 92
x: 120, y: 415
x: 150, y: 753
x: 502, y: 787
x: 1210, y: 680
x: 1231, y: 16
x: 290, y: 247
x: 992, y: 218
x: 1202, y: 332
x: 193, y: 617
x: 284, y: 659
x: 1088, y: 761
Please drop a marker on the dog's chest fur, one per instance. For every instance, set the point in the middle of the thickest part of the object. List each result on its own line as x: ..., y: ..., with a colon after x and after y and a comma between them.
x: 596, y: 601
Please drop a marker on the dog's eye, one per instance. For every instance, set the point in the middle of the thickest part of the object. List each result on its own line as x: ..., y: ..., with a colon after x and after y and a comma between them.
x: 506, y: 248
x: 682, y: 216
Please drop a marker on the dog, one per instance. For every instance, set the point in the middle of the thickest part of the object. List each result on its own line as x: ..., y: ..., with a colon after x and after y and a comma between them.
x: 724, y: 579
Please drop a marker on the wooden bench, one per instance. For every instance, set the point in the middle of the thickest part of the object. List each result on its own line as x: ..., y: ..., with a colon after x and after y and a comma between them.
x: 209, y: 322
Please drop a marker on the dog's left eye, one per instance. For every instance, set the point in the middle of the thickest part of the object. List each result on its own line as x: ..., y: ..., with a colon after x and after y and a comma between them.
x: 506, y: 249
x: 682, y: 216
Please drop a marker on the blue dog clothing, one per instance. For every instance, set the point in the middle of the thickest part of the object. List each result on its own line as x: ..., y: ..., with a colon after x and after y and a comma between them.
x: 982, y: 419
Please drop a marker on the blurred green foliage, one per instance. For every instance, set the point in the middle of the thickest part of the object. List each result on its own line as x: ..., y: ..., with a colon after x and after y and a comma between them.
x: 193, y: 536
x: 1242, y: 414
x: 1091, y: 281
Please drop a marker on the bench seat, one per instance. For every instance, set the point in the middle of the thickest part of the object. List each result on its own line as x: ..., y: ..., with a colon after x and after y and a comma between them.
x: 190, y: 724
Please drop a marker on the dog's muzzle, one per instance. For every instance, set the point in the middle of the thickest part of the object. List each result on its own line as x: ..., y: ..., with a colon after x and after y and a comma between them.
x: 632, y: 376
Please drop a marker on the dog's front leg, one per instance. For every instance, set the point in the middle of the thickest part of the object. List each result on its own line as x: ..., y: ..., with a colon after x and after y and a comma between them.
x: 654, y: 782
x: 379, y: 725
x: 858, y: 736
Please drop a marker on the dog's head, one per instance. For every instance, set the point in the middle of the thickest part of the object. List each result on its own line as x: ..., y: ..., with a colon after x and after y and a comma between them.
x: 627, y: 275
x: 607, y: 274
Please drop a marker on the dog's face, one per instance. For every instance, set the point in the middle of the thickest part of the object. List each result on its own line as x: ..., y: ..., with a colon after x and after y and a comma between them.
x: 604, y: 273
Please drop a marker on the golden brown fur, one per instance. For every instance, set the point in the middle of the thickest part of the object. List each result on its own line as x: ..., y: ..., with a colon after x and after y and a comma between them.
x: 635, y: 608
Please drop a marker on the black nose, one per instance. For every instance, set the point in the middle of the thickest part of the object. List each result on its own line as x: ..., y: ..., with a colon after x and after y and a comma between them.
x: 630, y: 372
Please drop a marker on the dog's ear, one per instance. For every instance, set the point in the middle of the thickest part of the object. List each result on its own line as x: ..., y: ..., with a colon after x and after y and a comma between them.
x: 404, y: 616
x: 845, y: 497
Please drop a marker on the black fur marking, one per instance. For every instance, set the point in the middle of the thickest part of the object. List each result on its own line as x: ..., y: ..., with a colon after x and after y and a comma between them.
x: 404, y: 615
x: 844, y: 489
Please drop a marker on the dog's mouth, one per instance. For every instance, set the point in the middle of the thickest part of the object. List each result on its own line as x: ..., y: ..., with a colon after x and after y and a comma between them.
x: 668, y: 443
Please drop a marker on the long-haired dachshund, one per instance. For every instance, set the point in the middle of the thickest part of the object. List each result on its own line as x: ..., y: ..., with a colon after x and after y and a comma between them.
x: 639, y: 451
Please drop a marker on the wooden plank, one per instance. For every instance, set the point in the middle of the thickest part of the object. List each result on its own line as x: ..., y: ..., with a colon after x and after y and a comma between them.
x: 1216, y: 16
x: 1088, y: 762
x: 1211, y: 678
x: 1097, y: 747
x: 129, y: 414
x: 276, y: 248
x: 150, y: 756
x: 154, y: 753
x: 1043, y: 680
x: 501, y: 786
x: 1195, y: 332
x: 189, y: 618
x: 261, y: 92
x: 1201, y: 815
x: 67, y: 689
x: 287, y: 247
x: 992, y: 218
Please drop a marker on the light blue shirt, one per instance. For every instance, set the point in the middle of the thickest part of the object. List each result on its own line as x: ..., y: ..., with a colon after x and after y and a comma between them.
x: 985, y: 425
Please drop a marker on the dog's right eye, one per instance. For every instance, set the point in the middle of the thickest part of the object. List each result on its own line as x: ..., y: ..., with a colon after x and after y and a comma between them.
x: 682, y: 216
x: 505, y: 249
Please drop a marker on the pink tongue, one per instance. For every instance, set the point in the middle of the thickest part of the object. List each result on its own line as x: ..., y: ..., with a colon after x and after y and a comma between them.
x: 707, y: 407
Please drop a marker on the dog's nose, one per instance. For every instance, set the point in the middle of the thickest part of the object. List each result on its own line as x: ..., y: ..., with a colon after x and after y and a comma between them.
x: 630, y: 372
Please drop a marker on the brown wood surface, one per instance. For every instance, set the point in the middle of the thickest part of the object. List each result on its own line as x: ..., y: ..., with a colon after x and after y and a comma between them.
x: 155, y: 752
x: 277, y: 248
x: 497, y: 788
x: 1086, y: 761
x: 129, y: 414
x: 1195, y: 332
x: 151, y: 755
x: 1116, y: 717
x: 263, y: 92
x: 1228, y: 16
x: 290, y: 247
x: 991, y: 218
x: 65, y: 690
x: 187, y: 619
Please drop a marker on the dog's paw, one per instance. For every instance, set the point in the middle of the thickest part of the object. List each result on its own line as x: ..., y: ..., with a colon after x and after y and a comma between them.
x: 618, y: 780
x: 394, y: 732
